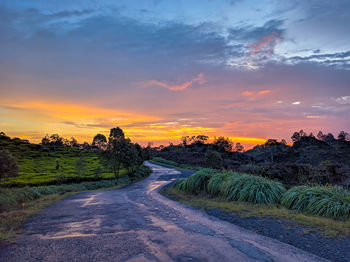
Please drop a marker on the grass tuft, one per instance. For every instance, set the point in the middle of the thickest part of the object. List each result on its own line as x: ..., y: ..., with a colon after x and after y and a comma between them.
x: 197, y: 182
x: 253, y: 189
x: 217, y: 181
x: 332, y: 202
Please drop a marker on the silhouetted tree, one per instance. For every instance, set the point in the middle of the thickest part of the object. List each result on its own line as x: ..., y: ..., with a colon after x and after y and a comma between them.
x: 73, y: 142
x: 224, y: 144
x: 329, y: 138
x: 116, y: 134
x: 200, y: 140
x: 119, y: 151
x: 239, y: 147
x: 45, y: 140
x: 320, y: 135
x: 100, y: 141
x: 298, y: 135
x: 56, y: 140
x: 185, y: 140
x: 343, y: 136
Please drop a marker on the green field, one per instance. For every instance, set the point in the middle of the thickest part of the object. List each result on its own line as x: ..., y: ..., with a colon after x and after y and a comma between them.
x: 38, y: 165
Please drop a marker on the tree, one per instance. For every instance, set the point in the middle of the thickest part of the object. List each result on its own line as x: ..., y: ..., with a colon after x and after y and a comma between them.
x: 45, y: 140
x: 213, y: 159
x: 200, y: 139
x: 130, y: 157
x: 56, y: 140
x: 239, y: 147
x: 8, y: 164
x: 99, y: 141
x: 320, y: 135
x: 86, y: 145
x: 329, y: 138
x: 343, y: 136
x: 224, y: 144
x: 298, y: 135
x: 272, y: 145
x: 73, y: 142
x: 185, y: 140
x: 115, y: 149
x: 116, y: 134
x: 140, y: 153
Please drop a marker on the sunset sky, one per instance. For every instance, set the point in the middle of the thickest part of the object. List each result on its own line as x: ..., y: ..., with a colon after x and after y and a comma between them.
x: 249, y: 70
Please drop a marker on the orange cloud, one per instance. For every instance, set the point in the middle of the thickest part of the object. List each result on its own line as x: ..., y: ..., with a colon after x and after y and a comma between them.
x: 263, y: 92
x: 199, y: 79
x: 268, y: 43
x: 250, y: 93
x: 247, y: 93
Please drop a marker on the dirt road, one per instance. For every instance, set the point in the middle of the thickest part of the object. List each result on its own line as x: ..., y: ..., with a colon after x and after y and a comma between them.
x: 136, y: 223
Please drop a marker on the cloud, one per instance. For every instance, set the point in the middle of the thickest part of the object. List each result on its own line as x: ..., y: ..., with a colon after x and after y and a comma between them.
x: 267, y: 44
x: 251, y: 93
x: 296, y: 103
x: 343, y: 100
x: 199, y: 79
x: 263, y: 92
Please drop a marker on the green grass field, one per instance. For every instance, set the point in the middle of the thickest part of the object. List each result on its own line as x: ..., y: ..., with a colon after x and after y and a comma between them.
x: 37, y: 165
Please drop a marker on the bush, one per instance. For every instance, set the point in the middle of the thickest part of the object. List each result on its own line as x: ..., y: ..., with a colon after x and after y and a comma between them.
x: 213, y: 159
x: 333, y: 202
x: 8, y: 164
x: 248, y: 188
x: 216, y: 182
x: 197, y: 182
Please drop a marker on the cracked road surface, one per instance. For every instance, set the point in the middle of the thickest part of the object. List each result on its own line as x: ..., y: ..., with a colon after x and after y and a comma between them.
x: 136, y: 223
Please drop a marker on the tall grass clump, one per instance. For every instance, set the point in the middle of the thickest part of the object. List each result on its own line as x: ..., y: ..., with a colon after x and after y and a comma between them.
x: 253, y: 189
x: 197, y: 182
x: 332, y: 202
x: 217, y: 181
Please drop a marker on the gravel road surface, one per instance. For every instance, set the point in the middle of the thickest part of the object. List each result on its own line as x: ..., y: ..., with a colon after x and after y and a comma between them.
x: 135, y: 223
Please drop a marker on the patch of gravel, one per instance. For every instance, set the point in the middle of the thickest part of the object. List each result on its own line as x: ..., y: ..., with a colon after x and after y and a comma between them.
x: 305, y: 238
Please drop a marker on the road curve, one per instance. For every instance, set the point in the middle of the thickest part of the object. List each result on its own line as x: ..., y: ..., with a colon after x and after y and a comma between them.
x: 136, y: 223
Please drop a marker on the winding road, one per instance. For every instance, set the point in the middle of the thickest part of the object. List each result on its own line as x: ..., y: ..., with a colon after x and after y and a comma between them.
x: 135, y: 223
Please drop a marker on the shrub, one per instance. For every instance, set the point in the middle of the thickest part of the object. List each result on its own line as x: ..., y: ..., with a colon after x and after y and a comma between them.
x: 213, y: 159
x: 248, y: 188
x: 333, y: 202
x: 8, y: 164
x: 197, y: 182
x: 216, y: 182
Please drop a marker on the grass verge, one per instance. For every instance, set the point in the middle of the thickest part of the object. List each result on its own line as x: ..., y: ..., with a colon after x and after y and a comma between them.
x: 326, y: 226
x: 173, y: 164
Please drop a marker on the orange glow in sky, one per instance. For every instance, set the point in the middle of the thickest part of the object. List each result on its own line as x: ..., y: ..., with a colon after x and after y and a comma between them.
x: 38, y: 118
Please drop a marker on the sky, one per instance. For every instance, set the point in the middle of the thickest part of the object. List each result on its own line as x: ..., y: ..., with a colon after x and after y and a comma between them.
x: 245, y: 69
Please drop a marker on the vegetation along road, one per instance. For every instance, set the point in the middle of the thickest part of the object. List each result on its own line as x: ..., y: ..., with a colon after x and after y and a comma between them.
x: 136, y: 223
